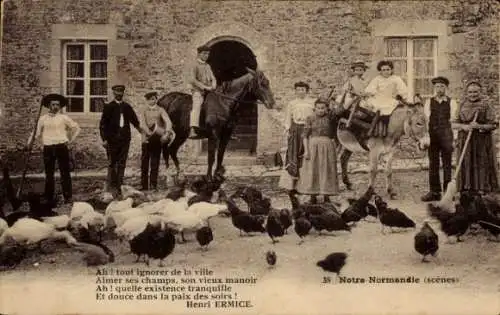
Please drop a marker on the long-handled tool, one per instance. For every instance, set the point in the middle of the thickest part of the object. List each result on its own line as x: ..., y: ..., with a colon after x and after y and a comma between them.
x: 451, y: 190
x: 28, y: 151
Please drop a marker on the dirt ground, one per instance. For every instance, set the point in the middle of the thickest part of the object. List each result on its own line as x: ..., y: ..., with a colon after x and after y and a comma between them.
x: 60, y: 283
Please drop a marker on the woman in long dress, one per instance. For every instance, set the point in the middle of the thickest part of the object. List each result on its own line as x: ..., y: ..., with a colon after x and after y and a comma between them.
x: 318, y: 174
x: 296, y: 114
x: 479, y: 170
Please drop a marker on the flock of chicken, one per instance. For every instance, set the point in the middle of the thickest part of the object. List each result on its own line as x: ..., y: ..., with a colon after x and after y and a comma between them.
x: 153, y: 226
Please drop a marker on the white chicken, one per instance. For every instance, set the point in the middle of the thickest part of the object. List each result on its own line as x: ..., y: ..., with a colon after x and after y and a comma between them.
x: 206, y: 210
x: 133, y: 226
x: 79, y: 209
x: 31, y: 231
x: 119, y: 205
x: 60, y: 222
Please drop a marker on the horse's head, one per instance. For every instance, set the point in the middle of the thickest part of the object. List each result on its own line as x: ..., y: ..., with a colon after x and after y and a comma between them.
x: 261, y: 88
x: 416, y: 125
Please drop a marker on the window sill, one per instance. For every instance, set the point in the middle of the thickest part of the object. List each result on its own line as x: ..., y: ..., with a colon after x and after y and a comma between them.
x: 86, y: 119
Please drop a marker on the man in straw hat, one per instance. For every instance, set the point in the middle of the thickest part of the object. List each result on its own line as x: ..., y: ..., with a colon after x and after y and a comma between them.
x: 203, y: 80
x: 158, y: 130
x: 56, y: 131
x: 116, y: 118
x: 440, y: 110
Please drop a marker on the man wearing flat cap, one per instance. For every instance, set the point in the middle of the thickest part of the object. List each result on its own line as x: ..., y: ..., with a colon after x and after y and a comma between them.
x: 202, y: 81
x: 158, y: 130
x: 440, y: 110
x: 56, y: 131
x: 116, y: 118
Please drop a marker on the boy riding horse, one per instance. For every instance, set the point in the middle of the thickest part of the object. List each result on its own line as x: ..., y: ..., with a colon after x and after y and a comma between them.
x: 203, y: 80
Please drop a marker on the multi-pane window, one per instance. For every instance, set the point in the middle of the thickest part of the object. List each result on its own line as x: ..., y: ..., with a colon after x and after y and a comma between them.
x: 85, y: 75
x: 415, y: 60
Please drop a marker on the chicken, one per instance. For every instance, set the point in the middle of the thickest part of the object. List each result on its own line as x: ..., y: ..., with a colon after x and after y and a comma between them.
x: 96, y: 254
x: 31, y: 231
x: 248, y: 193
x: 392, y: 217
x: 357, y: 209
x: 302, y: 226
x: 311, y: 208
x: 204, y: 236
x: 286, y: 219
x: 334, y: 262
x: 271, y: 258
x: 273, y: 226
x: 11, y: 253
x: 242, y: 220
x: 426, y: 241
x: 452, y: 223
x: 329, y: 221
x: 8, y: 192
x: 155, y: 242
x: 486, y: 218
x: 60, y: 222
x: 372, y: 210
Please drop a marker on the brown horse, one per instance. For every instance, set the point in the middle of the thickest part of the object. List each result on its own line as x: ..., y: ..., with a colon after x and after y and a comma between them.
x: 218, y: 116
x: 405, y: 120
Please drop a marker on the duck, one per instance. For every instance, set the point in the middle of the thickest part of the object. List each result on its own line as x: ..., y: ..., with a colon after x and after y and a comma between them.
x: 392, y: 217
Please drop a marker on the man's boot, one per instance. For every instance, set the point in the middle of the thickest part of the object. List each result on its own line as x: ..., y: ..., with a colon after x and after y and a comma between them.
x: 431, y: 196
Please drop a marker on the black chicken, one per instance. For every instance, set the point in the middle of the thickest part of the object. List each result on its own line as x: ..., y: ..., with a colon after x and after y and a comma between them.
x: 486, y: 218
x: 311, y: 208
x: 328, y: 221
x: 273, y: 226
x: 302, y: 226
x: 357, y: 209
x: 248, y: 193
x: 392, y: 217
x: 452, y: 223
x: 426, y: 241
x: 175, y: 193
x: 243, y: 220
x: 286, y: 219
x: 372, y: 210
x: 140, y: 243
x: 162, y: 244
x: 271, y: 258
x: 259, y: 207
x: 11, y: 253
x: 96, y: 253
x: 204, y: 236
x: 7, y: 192
x: 333, y: 262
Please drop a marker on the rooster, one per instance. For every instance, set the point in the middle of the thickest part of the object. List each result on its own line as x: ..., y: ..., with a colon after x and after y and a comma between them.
x: 392, y: 217
x: 426, y: 241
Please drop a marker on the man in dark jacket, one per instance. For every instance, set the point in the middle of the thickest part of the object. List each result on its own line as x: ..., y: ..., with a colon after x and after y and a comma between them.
x: 115, y: 134
x: 440, y: 110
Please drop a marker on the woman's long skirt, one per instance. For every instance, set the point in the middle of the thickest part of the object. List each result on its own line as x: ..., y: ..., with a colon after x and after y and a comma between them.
x: 479, y: 171
x: 293, y: 160
x: 318, y: 175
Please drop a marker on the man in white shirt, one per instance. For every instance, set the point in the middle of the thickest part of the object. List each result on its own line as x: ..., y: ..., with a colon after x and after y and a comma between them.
x: 440, y: 110
x: 53, y: 130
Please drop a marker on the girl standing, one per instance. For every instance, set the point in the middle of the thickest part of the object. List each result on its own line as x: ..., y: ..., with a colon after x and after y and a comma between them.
x: 479, y: 171
x: 318, y: 174
x: 296, y: 114
x: 56, y: 131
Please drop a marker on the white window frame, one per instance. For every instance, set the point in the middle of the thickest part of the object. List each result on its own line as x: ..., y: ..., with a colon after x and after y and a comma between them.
x: 86, y: 71
x: 410, y: 76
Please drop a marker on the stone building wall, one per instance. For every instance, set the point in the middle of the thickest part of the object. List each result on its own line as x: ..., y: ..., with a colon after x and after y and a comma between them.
x: 152, y: 43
